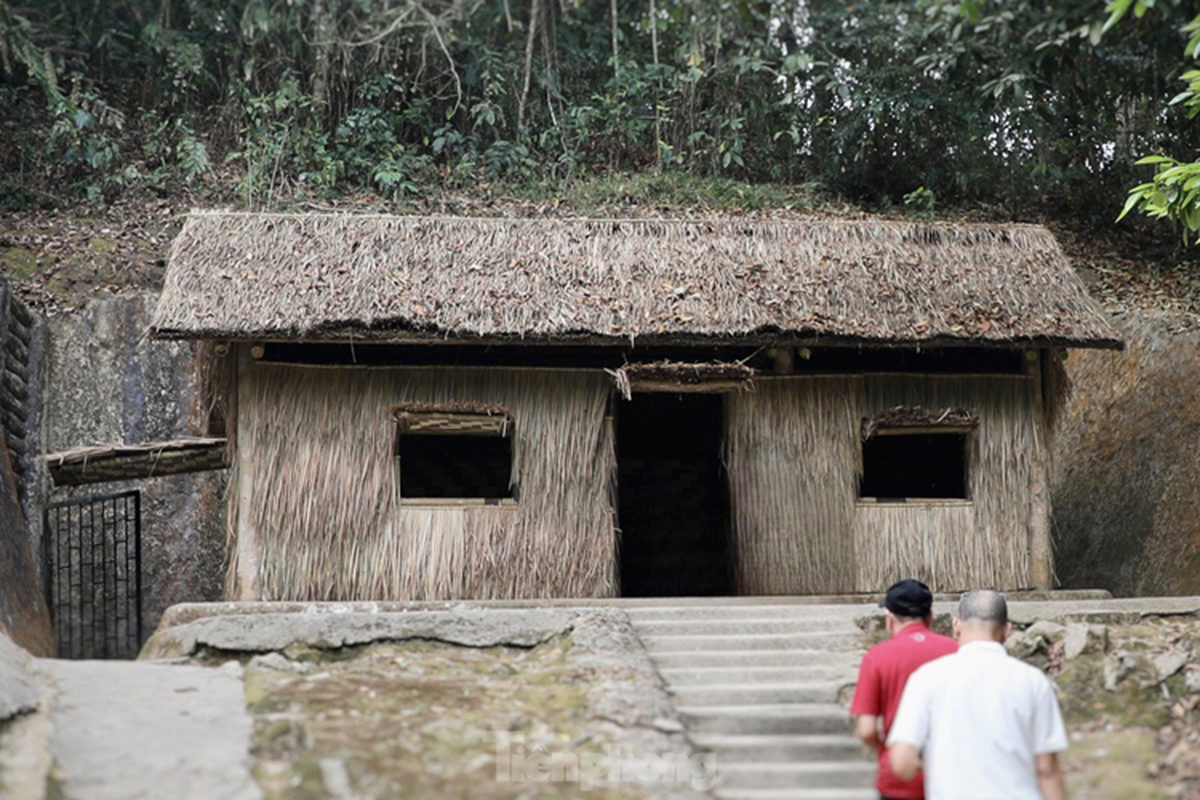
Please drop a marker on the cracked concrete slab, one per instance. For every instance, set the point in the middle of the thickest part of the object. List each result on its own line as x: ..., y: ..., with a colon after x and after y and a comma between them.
x: 144, y: 731
x: 472, y: 627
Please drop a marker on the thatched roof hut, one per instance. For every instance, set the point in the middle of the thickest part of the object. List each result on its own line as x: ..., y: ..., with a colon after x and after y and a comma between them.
x: 436, y: 408
x: 411, y: 279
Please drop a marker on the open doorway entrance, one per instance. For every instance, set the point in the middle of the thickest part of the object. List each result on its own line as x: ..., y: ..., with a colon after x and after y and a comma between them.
x: 673, y: 502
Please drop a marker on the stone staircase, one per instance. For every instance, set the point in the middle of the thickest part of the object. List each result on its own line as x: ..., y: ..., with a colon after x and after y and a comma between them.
x: 757, y: 686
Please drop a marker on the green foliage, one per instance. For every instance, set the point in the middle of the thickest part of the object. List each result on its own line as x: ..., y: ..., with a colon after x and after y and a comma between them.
x: 976, y: 101
x: 1173, y: 193
x: 921, y: 199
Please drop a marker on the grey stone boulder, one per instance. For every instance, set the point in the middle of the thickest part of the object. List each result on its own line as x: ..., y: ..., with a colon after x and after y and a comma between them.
x: 1082, y: 638
x: 1169, y: 663
x: 1024, y: 644
x: 279, y: 662
x: 1050, y: 631
x: 1122, y: 666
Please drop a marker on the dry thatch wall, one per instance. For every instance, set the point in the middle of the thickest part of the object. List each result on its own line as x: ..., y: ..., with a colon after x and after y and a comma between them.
x: 319, y: 519
x: 794, y: 458
x: 318, y: 516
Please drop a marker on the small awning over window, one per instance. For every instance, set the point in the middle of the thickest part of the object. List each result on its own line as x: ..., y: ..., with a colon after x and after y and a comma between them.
x: 913, y: 419
x: 450, y: 419
x: 713, y: 377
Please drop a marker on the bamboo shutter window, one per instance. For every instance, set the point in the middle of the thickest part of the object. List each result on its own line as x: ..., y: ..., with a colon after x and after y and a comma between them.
x: 457, y: 454
x: 916, y: 454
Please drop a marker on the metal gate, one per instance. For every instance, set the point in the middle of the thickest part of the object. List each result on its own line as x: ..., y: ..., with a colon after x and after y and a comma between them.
x: 93, y: 555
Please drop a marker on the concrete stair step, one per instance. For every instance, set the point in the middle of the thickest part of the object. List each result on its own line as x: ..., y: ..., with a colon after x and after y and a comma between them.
x: 811, y: 775
x: 846, y: 793
x: 818, y: 640
x: 735, y: 625
x: 779, y: 657
x: 680, y: 677
x: 755, y: 693
x: 744, y: 611
x: 782, y: 747
x: 788, y: 718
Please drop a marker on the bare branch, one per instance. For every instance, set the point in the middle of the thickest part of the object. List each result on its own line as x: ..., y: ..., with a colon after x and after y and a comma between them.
x: 534, y: 13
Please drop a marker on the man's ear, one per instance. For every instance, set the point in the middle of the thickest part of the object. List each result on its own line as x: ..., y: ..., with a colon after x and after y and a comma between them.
x: 956, y: 626
x: 1006, y: 632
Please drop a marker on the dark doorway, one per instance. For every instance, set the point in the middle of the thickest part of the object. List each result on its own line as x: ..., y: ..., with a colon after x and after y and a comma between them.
x: 673, y: 501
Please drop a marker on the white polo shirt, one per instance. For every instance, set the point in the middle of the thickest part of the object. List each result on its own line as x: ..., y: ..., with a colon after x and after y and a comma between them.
x: 980, y: 716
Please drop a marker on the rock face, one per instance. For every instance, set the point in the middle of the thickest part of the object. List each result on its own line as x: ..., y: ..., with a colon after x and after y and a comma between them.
x: 23, y: 614
x: 1125, y: 478
x: 18, y: 686
x: 106, y: 383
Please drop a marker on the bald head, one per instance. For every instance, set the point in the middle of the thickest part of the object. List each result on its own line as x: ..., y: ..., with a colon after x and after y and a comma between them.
x: 982, y: 614
x: 983, y: 605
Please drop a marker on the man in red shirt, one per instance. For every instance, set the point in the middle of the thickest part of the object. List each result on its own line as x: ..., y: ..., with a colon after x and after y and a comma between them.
x: 908, y: 611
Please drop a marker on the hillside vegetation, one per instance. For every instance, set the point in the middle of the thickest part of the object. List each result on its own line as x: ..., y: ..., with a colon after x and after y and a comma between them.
x: 1026, y: 107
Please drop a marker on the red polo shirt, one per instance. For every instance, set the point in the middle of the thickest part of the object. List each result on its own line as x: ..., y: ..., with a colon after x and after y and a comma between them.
x: 885, y: 670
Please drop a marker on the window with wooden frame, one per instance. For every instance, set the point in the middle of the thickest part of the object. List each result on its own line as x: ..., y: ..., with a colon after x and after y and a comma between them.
x: 455, y: 454
x: 916, y: 454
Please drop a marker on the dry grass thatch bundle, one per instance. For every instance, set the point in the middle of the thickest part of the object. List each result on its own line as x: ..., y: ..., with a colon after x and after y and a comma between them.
x: 910, y: 417
x: 100, y: 463
x: 675, y: 376
x: 431, y: 278
x: 452, y: 418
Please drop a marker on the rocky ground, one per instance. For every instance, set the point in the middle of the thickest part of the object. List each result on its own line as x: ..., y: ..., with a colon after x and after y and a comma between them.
x: 512, y: 703
x: 495, y: 704
x: 1129, y: 686
x: 1130, y: 692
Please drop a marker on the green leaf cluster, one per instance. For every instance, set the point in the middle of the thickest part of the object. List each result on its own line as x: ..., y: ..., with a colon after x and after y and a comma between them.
x: 1173, y: 193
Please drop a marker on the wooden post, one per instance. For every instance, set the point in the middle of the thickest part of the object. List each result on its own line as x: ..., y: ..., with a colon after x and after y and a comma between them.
x: 785, y: 360
x: 1041, y: 553
x: 245, y: 583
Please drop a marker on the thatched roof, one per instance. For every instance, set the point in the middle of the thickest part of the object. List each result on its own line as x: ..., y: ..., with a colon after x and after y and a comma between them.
x: 412, y: 279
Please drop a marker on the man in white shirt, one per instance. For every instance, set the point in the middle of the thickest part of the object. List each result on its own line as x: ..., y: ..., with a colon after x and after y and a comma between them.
x: 988, y: 724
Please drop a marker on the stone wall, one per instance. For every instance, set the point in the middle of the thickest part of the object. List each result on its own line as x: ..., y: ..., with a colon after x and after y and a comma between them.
x: 1126, y: 472
x: 23, y: 613
x: 107, y: 383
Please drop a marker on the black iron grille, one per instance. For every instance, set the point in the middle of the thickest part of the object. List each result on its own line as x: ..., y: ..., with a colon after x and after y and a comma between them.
x: 93, y: 578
